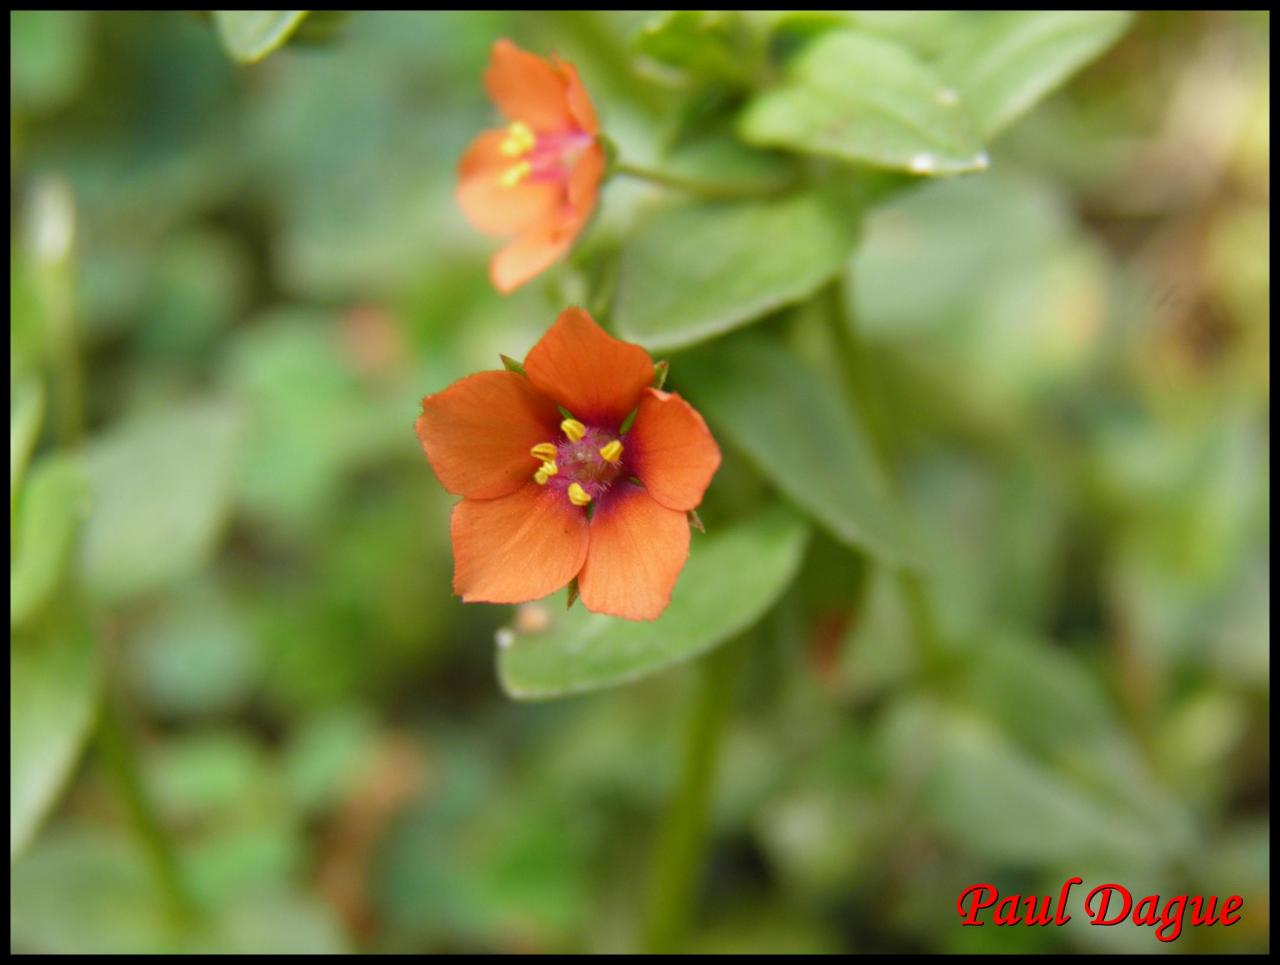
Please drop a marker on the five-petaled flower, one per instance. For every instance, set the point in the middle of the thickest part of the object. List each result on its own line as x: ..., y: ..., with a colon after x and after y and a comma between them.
x: 547, y: 497
x: 534, y: 181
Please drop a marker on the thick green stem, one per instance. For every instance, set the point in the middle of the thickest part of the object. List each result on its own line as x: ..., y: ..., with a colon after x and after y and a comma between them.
x: 678, y: 859
x: 721, y: 190
x: 116, y: 741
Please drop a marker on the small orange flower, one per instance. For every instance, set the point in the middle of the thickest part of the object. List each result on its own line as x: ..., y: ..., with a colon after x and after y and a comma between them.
x: 548, y: 497
x: 534, y: 181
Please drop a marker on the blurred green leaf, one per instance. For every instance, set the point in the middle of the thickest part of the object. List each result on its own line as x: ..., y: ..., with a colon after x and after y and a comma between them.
x: 249, y: 35
x: 310, y: 417
x: 87, y: 891
x: 52, y: 506
x: 210, y: 776
x: 1004, y: 806
x: 325, y: 756
x: 731, y: 579
x: 1038, y: 694
x: 692, y: 272
x: 161, y: 489
x: 266, y: 921
x: 48, y: 51
x: 195, y: 655
x: 926, y: 32
x: 801, y: 433
x: 1003, y: 63
x: 857, y: 97
x: 54, y: 681
x: 322, y: 26
x: 702, y: 44
x: 26, y: 321
x: 25, y: 416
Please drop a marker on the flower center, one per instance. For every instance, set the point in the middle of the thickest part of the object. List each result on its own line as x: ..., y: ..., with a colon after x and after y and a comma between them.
x: 583, y: 465
x: 540, y: 157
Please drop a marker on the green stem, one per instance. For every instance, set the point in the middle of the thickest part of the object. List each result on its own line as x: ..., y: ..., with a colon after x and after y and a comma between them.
x: 56, y: 214
x: 725, y: 190
x: 115, y: 738
x: 864, y: 396
x: 677, y: 870
x: 53, y: 228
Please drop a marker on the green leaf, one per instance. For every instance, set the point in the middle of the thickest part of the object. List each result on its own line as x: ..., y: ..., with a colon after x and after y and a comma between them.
x: 249, y: 35
x: 1006, y: 807
x: 49, y: 52
x: 25, y: 418
x: 1006, y: 62
x: 49, y: 513
x: 731, y: 579
x: 860, y: 98
x: 161, y: 489
x: 660, y: 371
x: 801, y: 433
x: 714, y: 45
x: 54, y: 683
x: 695, y: 271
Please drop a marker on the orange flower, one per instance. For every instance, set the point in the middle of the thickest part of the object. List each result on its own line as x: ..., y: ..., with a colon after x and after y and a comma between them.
x: 547, y: 498
x: 534, y: 181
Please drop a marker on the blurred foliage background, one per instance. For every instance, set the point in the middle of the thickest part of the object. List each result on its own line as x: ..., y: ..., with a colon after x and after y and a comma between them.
x: 247, y: 713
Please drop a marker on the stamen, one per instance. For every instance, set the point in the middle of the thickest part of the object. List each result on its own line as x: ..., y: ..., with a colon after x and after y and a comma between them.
x: 544, y: 451
x: 577, y: 495
x: 549, y: 467
x: 515, y: 174
x: 612, y: 452
x: 574, y: 429
x: 519, y: 140
x: 540, y: 477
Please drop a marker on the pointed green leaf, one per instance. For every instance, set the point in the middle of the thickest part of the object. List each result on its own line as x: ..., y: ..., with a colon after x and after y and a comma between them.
x: 730, y: 581
x: 24, y: 426
x: 53, y: 504
x: 856, y: 97
x: 660, y: 372
x: 800, y: 432
x: 512, y: 365
x: 249, y: 35
x: 695, y: 271
x: 54, y: 682
x: 1003, y: 63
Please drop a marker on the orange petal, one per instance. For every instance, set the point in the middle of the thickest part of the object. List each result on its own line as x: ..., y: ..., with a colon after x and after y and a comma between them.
x: 584, y: 115
x: 477, y: 433
x: 532, y: 253
x: 517, y: 548
x: 638, y: 548
x: 492, y: 207
x: 671, y: 449
x: 527, y: 88
x: 589, y: 372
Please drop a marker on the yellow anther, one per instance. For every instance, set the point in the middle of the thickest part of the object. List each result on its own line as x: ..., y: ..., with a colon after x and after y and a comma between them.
x: 541, y: 477
x: 515, y: 174
x: 574, y: 429
x: 612, y: 452
x: 520, y: 138
x: 545, y: 451
x: 550, y: 468
x: 578, y: 496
